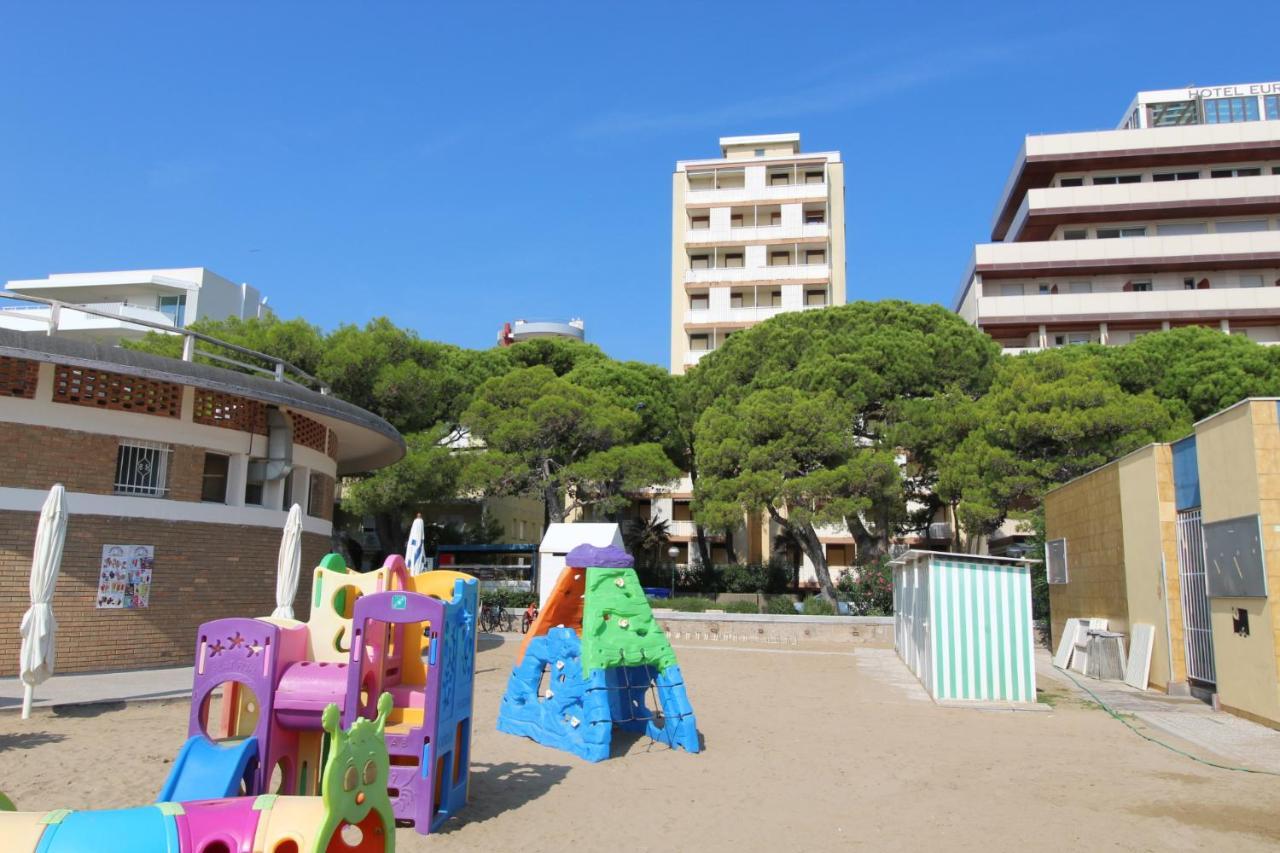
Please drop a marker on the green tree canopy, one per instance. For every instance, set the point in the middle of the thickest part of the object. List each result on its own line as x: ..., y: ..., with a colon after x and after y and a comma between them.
x: 1048, y: 417
x: 547, y: 437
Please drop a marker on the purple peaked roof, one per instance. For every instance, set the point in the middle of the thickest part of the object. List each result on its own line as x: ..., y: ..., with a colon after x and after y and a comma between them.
x: 589, y: 556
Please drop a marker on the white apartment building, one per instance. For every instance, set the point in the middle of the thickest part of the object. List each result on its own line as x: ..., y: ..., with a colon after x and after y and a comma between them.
x: 170, y: 297
x: 1171, y: 219
x: 754, y: 232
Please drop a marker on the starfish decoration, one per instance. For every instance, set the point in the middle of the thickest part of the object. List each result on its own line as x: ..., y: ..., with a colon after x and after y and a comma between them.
x: 217, y: 648
x: 237, y: 641
x: 253, y: 649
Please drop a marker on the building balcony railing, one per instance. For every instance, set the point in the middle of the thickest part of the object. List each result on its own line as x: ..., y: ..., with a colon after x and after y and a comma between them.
x: 1148, y: 253
x: 791, y: 272
x: 811, y: 230
x: 750, y: 194
x: 54, y: 316
x: 692, y: 357
x: 732, y: 315
x: 1063, y: 306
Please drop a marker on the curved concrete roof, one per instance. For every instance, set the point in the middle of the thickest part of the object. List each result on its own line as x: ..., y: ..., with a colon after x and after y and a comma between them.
x: 365, y: 441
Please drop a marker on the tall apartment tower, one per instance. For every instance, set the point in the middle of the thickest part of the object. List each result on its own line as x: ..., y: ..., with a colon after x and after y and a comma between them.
x: 1171, y: 219
x: 754, y: 232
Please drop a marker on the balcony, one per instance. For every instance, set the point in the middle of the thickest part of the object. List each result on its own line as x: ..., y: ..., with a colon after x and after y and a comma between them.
x: 1207, y: 197
x: 72, y: 323
x: 791, y: 272
x: 692, y: 357
x: 802, y: 231
x: 740, y: 195
x: 732, y: 315
x: 1101, y: 307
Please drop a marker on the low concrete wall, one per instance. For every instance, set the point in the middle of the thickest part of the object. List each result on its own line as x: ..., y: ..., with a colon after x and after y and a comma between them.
x: 873, y: 631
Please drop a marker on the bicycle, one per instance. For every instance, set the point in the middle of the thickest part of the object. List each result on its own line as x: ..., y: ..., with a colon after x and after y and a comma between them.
x: 494, y: 618
x: 529, y: 617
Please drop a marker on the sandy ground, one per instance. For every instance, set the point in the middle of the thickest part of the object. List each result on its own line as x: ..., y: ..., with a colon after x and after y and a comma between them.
x: 818, y: 750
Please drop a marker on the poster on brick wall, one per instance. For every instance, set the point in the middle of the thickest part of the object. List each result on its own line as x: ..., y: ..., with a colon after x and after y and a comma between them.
x: 124, y: 579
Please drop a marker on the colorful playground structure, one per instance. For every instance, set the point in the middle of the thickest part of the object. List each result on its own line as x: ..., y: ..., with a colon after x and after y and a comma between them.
x: 353, y: 814
x: 590, y: 658
x: 309, y: 736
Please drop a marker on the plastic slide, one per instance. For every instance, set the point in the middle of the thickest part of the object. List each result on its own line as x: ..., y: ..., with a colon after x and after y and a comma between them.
x: 205, y: 770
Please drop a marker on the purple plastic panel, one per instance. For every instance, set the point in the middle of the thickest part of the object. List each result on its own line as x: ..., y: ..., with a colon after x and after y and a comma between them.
x: 246, y: 651
x: 608, y: 557
x: 306, y: 688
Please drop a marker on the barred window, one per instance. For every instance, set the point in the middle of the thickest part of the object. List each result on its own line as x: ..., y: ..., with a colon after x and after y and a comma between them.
x: 142, y: 469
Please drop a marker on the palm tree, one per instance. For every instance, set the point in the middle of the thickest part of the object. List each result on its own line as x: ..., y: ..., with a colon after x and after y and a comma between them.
x: 647, y: 539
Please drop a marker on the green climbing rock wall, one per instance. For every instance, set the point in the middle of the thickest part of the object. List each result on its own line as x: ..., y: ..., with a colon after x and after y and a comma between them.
x: 618, y: 628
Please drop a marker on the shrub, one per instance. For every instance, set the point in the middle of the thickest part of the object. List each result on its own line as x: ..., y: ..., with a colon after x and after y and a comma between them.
x: 770, y: 577
x: 780, y: 605
x: 869, y: 589
x: 512, y: 599
x: 690, y: 604
x: 816, y: 605
x: 741, y: 607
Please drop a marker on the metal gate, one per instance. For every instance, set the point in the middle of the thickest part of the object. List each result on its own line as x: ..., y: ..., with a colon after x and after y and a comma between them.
x: 1196, y: 630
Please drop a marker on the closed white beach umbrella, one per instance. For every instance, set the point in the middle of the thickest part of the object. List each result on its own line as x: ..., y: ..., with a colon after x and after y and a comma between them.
x: 289, y: 564
x: 38, y: 624
x: 415, y: 553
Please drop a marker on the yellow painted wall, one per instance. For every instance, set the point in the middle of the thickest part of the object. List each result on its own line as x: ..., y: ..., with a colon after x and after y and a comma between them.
x: 835, y: 209
x: 679, y: 262
x: 1239, y: 457
x: 1149, y: 518
x: 1087, y: 513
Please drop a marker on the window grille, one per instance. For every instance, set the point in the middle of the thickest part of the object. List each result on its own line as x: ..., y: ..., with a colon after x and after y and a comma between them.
x: 229, y: 411
x: 142, y: 469
x: 307, y: 432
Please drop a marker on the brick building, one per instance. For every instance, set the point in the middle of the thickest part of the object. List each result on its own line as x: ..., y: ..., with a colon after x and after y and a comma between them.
x: 197, y: 463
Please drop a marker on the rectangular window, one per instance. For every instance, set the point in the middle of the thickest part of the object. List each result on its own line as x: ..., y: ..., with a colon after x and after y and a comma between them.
x: 213, y: 486
x: 1271, y: 106
x: 775, y: 218
x: 733, y: 260
x: 779, y: 179
x: 1105, y: 180
x: 699, y: 262
x: 699, y: 343
x: 142, y: 469
x: 700, y: 223
x: 1159, y: 177
x: 175, y: 308
x: 1236, y: 172
x: 1011, y: 290
x: 813, y: 176
x: 1071, y: 182
x: 699, y: 302
x: 815, y: 216
x: 735, y: 220
x: 1174, y: 229
x: 1172, y: 114
x: 1075, y: 233
x: 1230, y: 110
x: 779, y: 259
x: 1251, y: 281
x: 1131, y: 231
x: 775, y: 298
x: 253, y: 483
x: 815, y: 297
x: 315, y: 496
x: 1080, y: 287
x: 1240, y: 226
x: 1141, y: 287
x: 742, y: 298
x: 1045, y: 289
x: 759, y: 152
x: 815, y: 256
x: 702, y: 181
x: 1188, y: 284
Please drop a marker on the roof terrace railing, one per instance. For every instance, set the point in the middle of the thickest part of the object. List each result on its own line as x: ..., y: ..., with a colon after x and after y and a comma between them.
x: 267, y: 365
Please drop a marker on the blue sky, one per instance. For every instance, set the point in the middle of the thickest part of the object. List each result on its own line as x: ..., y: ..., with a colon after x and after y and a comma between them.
x: 455, y: 166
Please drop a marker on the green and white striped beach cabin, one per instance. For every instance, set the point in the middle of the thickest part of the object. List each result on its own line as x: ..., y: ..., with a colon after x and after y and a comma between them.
x: 962, y: 623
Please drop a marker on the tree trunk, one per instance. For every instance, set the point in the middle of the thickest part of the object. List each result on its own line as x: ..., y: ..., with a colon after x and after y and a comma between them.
x: 704, y: 550
x: 728, y: 546
x: 812, y: 547
x: 554, y: 502
x: 871, y: 545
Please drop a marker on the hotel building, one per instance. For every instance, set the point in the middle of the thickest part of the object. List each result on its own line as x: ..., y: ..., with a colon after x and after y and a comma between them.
x: 1171, y: 219
x: 755, y: 232
x: 164, y: 297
